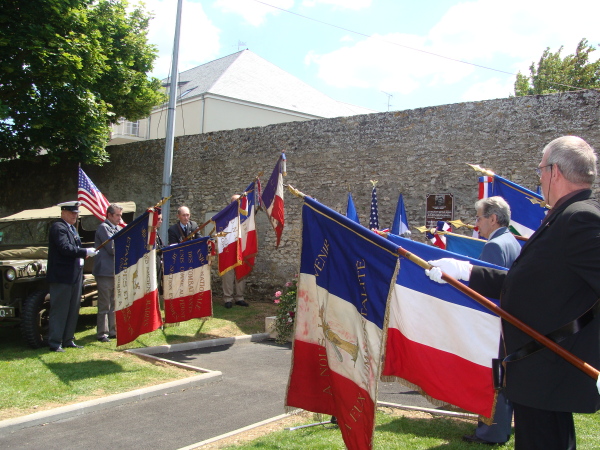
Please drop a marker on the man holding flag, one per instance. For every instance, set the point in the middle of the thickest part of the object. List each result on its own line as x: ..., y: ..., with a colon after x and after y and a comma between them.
x: 553, y: 286
x: 233, y: 288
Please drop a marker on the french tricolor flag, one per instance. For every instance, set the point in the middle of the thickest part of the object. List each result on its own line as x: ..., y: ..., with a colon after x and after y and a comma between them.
x: 272, y: 198
x: 186, y: 281
x: 248, y: 232
x: 439, y: 339
x: 346, y: 272
x: 136, y: 295
x: 228, y: 237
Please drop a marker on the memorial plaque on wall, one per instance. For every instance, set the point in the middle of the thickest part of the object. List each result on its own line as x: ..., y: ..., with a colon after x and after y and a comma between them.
x: 439, y: 207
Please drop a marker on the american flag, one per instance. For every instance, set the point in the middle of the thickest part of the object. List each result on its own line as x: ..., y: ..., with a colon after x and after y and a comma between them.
x: 374, y: 219
x: 90, y: 197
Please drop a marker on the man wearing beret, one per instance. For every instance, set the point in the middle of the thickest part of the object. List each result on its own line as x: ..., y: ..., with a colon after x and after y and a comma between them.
x: 65, y: 273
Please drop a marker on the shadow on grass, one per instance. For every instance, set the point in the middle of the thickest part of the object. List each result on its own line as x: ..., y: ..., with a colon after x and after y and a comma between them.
x: 450, y: 431
x: 75, y: 371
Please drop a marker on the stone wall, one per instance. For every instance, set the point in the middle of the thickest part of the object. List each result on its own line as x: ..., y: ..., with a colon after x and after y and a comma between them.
x: 415, y: 152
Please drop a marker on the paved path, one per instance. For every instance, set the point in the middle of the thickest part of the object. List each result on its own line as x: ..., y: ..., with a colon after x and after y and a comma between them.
x: 251, y: 389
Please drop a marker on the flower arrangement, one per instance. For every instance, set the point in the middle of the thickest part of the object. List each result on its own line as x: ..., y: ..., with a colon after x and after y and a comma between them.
x: 286, y: 311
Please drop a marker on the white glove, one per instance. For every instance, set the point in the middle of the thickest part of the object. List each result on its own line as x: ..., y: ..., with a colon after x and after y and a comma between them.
x: 91, y: 252
x: 461, y: 270
x: 598, y: 384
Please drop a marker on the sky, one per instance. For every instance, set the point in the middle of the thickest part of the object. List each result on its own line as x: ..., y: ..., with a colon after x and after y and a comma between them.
x: 380, y: 54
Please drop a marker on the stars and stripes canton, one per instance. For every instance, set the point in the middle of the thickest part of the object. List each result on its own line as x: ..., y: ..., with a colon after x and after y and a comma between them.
x: 91, y: 197
x: 374, y: 217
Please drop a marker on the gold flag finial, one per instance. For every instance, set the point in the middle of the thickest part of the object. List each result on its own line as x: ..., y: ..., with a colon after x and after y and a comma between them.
x: 480, y: 169
x: 374, y: 182
x: 295, y: 191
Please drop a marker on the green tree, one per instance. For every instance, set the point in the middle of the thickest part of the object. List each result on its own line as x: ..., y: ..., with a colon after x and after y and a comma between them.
x: 68, y: 69
x: 556, y: 74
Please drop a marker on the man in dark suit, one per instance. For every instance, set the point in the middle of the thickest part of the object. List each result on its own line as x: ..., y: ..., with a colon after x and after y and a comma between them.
x: 65, y: 271
x: 104, y: 272
x: 183, y: 228
x: 502, y: 248
x: 553, y: 286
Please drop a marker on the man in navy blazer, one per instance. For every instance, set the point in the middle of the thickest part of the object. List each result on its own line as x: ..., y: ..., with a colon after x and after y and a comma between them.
x: 64, y: 276
x: 183, y: 228
x: 502, y: 248
x: 554, y: 287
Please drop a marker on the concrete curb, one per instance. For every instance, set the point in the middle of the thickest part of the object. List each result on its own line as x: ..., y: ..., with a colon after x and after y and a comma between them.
x: 208, y: 376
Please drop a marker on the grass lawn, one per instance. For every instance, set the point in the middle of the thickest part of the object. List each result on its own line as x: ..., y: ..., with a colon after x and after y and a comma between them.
x: 402, y: 430
x: 35, y: 380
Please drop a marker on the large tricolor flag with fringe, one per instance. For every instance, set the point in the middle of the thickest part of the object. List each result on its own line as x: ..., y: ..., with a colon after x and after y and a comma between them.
x: 186, y: 281
x: 136, y: 294
x: 439, y: 339
x: 247, y: 231
x: 228, y: 237
x: 345, y: 276
x: 272, y: 198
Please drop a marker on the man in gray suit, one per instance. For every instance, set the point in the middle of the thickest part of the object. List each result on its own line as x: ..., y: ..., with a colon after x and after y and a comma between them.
x: 104, y: 272
x: 493, y: 217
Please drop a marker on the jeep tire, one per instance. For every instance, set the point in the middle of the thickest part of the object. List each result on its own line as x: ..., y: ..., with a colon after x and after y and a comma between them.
x: 35, y: 319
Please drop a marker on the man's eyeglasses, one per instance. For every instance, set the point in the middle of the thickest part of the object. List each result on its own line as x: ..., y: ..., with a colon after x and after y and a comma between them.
x: 478, y: 218
x: 538, y: 170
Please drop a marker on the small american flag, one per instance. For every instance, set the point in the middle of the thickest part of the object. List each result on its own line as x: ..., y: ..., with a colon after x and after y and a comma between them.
x: 374, y: 218
x: 90, y: 197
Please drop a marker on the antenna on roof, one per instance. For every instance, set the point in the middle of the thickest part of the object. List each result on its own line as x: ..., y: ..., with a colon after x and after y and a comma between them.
x: 389, y: 97
x: 241, y: 44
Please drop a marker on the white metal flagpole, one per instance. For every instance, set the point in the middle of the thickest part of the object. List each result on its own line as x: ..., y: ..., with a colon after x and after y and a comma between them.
x: 170, y: 136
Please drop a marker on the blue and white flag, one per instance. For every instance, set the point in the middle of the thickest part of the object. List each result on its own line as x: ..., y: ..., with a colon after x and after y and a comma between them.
x: 351, y: 209
x: 526, y: 212
x: 400, y: 225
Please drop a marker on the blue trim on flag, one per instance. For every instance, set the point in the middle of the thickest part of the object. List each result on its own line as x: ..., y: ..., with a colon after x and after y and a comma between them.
x: 186, y: 255
x: 250, y: 196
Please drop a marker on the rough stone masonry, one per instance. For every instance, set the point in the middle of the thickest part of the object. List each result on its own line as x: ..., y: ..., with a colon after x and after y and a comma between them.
x: 416, y: 152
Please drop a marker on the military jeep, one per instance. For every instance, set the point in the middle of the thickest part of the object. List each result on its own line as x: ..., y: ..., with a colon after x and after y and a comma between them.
x: 24, y: 295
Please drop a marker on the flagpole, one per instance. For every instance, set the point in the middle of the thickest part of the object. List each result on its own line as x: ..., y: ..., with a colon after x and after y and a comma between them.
x: 551, y: 345
x: 170, y: 135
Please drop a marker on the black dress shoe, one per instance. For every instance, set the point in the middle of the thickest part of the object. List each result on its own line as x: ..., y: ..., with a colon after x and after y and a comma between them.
x: 112, y: 336
x: 104, y: 339
x: 228, y: 305
x: 242, y: 303
x: 473, y: 438
x: 57, y: 349
x: 72, y: 345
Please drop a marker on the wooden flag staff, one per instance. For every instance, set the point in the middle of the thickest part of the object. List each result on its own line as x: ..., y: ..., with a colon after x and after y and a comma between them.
x: 553, y: 346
